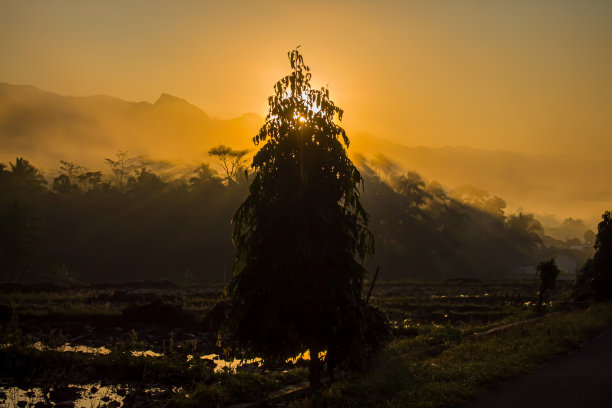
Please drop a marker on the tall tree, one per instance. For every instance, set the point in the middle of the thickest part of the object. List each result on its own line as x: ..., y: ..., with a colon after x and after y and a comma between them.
x: 232, y: 161
x: 546, y: 274
x: 23, y: 174
x: 120, y: 167
x: 72, y: 170
x: 595, y: 277
x: 297, y: 282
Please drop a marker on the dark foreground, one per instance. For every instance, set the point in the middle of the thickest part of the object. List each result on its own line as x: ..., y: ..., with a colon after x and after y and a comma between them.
x: 154, y: 344
x: 582, y: 379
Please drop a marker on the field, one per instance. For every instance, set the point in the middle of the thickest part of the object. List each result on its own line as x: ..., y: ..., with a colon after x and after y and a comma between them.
x: 135, y: 344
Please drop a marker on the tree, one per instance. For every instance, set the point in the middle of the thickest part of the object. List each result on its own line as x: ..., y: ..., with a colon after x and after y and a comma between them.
x: 412, y: 187
x: 18, y: 241
x: 526, y: 230
x: 62, y: 184
x: 546, y: 273
x: 120, y: 167
x: 72, y: 170
x: 297, y: 282
x: 145, y: 181
x: 206, y: 181
x: 595, y: 277
x: 232, y: 161
x: 23, y: 174
x: 91, y: 180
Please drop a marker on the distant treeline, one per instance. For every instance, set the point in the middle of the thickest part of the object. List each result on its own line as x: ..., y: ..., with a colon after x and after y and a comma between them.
x: 133, y: 224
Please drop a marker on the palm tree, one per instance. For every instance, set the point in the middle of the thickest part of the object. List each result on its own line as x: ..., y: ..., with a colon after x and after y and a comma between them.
x: 23, y: 174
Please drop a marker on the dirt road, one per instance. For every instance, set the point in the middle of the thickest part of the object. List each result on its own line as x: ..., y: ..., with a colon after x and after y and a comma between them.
x: 582, y: 379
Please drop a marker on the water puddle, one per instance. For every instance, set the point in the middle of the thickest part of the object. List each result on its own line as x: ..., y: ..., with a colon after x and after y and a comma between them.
x: 146, y: 353
x: 82, y: 396
x: 67, y: 347
x: 84, y: 349
x: 231, y: 365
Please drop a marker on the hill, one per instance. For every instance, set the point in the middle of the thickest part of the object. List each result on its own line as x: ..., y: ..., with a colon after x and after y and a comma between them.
x: 46, y: 127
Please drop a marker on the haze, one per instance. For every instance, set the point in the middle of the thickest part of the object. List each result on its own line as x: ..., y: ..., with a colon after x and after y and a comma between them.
x: 521, y: 75
x: 510, y: 97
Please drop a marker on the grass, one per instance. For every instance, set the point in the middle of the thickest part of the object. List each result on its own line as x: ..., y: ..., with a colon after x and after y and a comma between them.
x: 237, y: 387
x: 405, y: 378
x: 432, y: 362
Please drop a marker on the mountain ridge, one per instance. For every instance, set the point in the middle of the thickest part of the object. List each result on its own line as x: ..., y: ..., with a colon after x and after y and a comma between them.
x: 46, y: 127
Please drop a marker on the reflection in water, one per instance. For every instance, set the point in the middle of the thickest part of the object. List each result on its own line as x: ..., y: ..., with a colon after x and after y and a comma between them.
x: 96, y: 394
x: 146, y: 353
x: 89, y: 395
x: 91, y: 350
x: 228, y: 365
x: 231, y: 365
x: 70, y: 348
x: 305, y: 356
x: 84, y: 349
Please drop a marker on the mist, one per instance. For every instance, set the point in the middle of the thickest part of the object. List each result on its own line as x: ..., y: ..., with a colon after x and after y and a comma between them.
x: 46, y: 128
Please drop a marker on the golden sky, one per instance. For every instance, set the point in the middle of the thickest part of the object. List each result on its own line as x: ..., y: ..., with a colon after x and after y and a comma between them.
x: 524, y: 75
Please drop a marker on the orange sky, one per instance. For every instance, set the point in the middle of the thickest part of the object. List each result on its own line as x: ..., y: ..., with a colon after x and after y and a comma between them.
x: 521, y: 75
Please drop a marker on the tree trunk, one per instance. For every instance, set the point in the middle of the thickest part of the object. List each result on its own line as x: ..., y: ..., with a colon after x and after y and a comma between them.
x: 316, y: 398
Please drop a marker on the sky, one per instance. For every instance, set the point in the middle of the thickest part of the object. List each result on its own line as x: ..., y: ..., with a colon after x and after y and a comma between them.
x: 522, y: 75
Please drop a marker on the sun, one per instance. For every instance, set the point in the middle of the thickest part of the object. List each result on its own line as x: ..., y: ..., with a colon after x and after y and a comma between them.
x: 312, y: 107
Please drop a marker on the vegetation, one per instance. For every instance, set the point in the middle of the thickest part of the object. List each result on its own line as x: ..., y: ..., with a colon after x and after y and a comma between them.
x: 148, y: 220
x: 295, y: 301
x: 432, y: 325
x: 297, y: 283
x: 232, y: 161
x: 298, y: 286
x: 546, y: 274
x: 595, y: 278
x: 406, y: 377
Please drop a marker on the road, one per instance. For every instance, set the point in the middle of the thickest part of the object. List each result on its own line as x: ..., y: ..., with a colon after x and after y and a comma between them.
x: 582, y: 379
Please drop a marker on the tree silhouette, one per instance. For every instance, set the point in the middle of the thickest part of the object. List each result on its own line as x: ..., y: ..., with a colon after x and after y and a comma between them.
x: 546, y: 273
x: 232, y: 161
x: 595, y: 277
x: 62, y: 184
x: 72, y: 170
x: 527, y: 230
x: 20, y: 233
x: 120, y: 167
x: 23, y: 174
x: 90, y: 180
x: 412, y: 187
x: 297, y: 284
x: 145, y: 181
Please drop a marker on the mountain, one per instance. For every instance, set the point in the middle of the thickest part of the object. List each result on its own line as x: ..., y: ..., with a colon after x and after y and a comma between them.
x: 45, y: 127
x: 553, y: 186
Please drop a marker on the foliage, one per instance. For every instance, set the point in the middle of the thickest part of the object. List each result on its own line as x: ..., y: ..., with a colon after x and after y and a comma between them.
x: 72, y: 170
x: 233, y: 388
x: 157, y: 226
x: 74, y: 179
x: 595, y: 277
x: 20, y: 234
x: 25, y: 179
x: 149, y: 228
x: 546, y: 274
x: 63, y: 309
x: 232, y: 161
x: 464, y: 370
x: 297, y: 283
x: 422, y: 231
x: 120, y: 167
